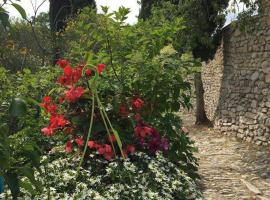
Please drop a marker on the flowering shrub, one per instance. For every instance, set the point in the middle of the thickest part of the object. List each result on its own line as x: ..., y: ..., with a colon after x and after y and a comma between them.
x: 73, y: 104
x: 140, y: 177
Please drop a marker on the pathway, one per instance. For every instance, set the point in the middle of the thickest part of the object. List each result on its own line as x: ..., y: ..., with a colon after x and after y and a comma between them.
x: 230, y: 169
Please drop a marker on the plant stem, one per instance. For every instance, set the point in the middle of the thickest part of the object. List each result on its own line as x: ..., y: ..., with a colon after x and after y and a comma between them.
x: 106, y: 126
x: 107, y: 118
x: 89, y: 133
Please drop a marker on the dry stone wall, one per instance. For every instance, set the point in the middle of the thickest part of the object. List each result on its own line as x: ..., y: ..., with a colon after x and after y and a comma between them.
x: 237, y: 82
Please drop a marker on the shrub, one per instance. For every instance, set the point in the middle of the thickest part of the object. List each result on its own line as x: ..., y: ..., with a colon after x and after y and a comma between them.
x: 140, y: 177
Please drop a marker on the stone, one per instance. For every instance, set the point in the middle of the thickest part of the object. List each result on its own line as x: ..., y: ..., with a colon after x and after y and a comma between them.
x: 265, y: 66
x: 255, y: 76
x: 251, y: 187
x: 267, y: 77
x: 267, y: 122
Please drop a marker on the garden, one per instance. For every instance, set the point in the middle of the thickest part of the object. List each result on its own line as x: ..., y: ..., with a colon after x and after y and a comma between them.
x: 89, y: 105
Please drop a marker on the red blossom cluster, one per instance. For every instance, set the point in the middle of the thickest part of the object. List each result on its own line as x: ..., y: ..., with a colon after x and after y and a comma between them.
x: 150, y: 138
x: 57, y: 121
x: 74, y: 94
x: 106, y: 150
x: 137, y: 103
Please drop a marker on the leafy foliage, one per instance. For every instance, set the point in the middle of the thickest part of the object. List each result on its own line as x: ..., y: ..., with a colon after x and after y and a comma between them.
x: 140, y: 177
x: 141, y: 62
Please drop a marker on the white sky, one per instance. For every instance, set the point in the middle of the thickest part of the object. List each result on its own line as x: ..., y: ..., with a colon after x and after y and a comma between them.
x: 113, y: 4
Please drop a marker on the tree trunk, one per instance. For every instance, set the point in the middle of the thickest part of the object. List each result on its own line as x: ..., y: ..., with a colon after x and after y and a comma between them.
x: 201, y: 118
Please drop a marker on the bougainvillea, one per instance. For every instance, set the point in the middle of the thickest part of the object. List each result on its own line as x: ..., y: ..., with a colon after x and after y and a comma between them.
x: 78, y: 95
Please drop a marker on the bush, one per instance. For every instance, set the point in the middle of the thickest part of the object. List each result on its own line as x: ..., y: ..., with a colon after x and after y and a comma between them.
x: 140, y: 177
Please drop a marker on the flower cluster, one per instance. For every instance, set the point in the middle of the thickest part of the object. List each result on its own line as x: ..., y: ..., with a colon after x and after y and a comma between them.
x: 57, y: 121
x: 153, y: 178
x: 73, y: 80
x: 150, y: 138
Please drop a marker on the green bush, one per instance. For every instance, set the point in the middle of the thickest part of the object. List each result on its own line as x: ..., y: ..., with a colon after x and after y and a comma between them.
x: 140, y: 177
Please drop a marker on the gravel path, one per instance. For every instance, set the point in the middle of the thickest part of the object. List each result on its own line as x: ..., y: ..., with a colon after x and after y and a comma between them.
x: 230, y: 169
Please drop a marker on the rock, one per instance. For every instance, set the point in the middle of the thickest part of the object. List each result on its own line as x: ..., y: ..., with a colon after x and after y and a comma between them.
x: 267, y: 77
x: 259, y: 197
x: 255, y: 76
x: 251, y: 187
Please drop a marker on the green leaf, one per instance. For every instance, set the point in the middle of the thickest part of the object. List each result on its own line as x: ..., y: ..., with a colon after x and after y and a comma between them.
x: 18, y: 107
x: 28, y: 187
x: 4, y: 18
x: 20, y: 10
x: 13, y: 183
x: 31, y: 151
x: 118, y: 140
x: 29, y: 173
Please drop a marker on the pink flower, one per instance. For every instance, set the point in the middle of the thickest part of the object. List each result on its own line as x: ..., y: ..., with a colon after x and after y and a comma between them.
x: 91, y: 144
x: 47, y: 131
x: 142, y: 131
x: 69, y: 147
x: 74, y: 94
x: 130, y: 148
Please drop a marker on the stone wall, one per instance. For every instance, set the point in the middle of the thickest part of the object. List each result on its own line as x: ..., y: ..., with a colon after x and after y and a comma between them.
x: 237, y: 82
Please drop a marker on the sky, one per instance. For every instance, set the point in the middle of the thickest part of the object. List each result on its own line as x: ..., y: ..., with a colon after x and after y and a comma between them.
x: 113, y: 5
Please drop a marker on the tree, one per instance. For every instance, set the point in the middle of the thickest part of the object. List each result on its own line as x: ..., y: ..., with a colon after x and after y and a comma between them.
x: 60, y: 11
x: 204, y: 20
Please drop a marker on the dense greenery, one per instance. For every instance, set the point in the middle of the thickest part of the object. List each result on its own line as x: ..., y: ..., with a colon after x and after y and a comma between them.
x: 111, y: 111
x: 148, y: 68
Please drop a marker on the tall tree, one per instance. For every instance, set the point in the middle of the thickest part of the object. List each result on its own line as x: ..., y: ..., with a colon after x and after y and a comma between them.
x: 204, y: 20
x: 60, y: 11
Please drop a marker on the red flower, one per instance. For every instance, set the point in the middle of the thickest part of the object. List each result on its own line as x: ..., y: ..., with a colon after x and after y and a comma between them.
x: 137, y: 117
x: 142, y: 131
x: 68, y: 130
x: 62, y: 63
x: 111, y: 138
x: 47, y: 100
x: 70, y: 76
x: 88, y: 72
x: 58, y: 121
x: 100, y: 68
x: 48, y: 131
x: 130, y: 148
x: 48, y: 105
x: 137, y: 103
x: 77, y: 74
x: 123, y: 111
x: 101, y: 150
x: 61, y: 100
x: 69, y: 147
x: 91, y: 144
x: 79, y: 141
x: 74, y: 94
x: 106, y: 151
x: 68, y: 70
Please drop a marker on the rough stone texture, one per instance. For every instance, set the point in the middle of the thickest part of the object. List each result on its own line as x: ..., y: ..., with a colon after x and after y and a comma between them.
x: 229, y: 168
x: 237, y: 82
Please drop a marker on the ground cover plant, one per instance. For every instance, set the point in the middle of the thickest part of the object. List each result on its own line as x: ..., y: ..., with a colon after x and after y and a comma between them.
x: 104, y: 121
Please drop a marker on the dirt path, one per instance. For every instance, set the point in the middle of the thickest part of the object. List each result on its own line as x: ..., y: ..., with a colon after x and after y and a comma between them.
x: 230, y: 169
